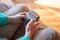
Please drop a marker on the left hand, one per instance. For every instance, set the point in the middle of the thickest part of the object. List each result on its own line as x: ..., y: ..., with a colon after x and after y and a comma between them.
x: 17, y: 18
x: 20, y: 15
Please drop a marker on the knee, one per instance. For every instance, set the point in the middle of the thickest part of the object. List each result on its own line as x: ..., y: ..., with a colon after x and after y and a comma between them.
x: 24, y: 7
x: 51, y: 33
x: 47, y: 33
x: 50, y: 30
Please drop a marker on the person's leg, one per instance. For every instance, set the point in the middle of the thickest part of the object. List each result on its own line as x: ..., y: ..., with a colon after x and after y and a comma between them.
x: 9, y: 29
x: 17, y: 9
x: 46, y: 34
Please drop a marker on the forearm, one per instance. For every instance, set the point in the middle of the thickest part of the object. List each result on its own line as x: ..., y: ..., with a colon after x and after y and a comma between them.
x: 4, y: 19
x: 25, y: 37
x: 10, y: 19
x: 29, y: 35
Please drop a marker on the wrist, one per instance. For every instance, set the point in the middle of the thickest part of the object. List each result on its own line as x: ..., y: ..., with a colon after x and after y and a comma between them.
x: 28, y: 34
x: 26, y: 37
x: 13, y: 19
x: 10, y: 19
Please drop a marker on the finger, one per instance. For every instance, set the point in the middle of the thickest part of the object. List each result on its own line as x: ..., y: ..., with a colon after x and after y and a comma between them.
x: 35, y: 25
x: 23, y: 13
x: 31, y: 22
x: 29, y: 25
x: 23, y: 16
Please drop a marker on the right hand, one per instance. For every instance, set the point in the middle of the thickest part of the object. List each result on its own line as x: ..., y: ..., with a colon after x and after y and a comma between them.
x: 31, y: 28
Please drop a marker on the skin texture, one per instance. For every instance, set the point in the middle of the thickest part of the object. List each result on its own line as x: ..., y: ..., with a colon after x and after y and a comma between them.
x: 31, y: 28
x: 16, y: 18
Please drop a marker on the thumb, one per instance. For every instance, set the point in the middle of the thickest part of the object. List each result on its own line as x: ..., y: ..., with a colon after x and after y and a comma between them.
x: 29, y: 25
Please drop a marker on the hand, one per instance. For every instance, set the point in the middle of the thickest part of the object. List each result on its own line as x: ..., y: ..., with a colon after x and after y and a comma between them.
x: 17, y: 18
x: 20, y: 15
x: 31, y: 28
